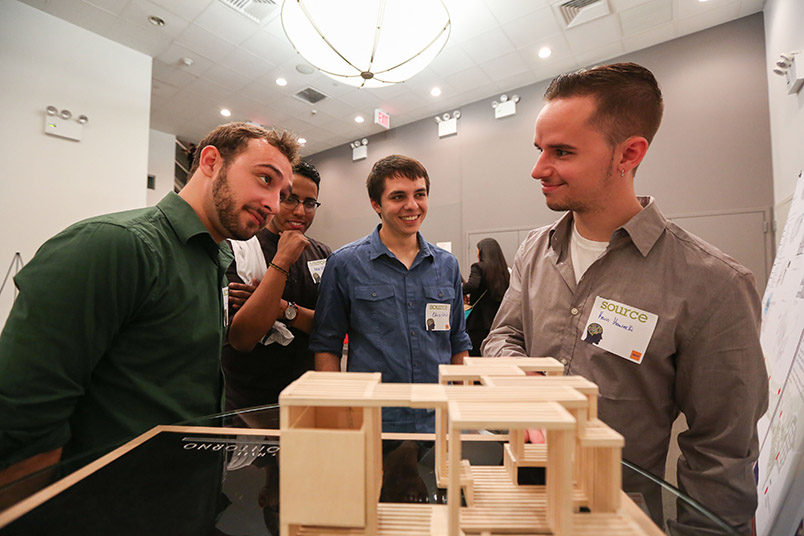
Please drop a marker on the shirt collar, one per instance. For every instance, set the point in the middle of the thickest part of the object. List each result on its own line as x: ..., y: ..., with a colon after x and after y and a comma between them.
x: 378, y: 249
x: 644, y: 229
x: 182, y: 217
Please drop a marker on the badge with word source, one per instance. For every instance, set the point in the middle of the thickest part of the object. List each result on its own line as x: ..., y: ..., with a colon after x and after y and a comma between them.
x: 620, y: 329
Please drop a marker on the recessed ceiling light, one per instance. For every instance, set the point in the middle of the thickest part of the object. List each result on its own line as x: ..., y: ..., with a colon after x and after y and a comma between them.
x: 156, y: 21
x: 225, y: 112
x: 281, y: 82
x: 545, y: 52
x: 302, y: 141
x: 359, y: 119
x: 435, y: 92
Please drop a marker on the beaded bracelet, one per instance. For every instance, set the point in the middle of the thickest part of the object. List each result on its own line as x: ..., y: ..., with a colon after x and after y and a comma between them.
x: 272, y: 265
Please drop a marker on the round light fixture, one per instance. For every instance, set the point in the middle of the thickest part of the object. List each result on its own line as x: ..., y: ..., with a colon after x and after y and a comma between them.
x: 82, y: 119
x: 156, y: 21
x: 435, y: 92
x: 51, y: 110
x: 302, y: 141
x: 380, y: 43
x: 281, y: 82
x: 456, y: 114
x: 545, y: 52
x: 303, y: 68
x: 359, y: 119
x: 225, y: 112
x: 66, y: 114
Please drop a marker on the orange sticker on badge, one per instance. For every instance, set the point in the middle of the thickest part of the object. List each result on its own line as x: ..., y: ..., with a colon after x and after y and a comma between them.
x: 636, y: 356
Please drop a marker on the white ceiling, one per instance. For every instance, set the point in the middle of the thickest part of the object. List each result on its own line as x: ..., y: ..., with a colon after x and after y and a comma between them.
x: 492, y: 48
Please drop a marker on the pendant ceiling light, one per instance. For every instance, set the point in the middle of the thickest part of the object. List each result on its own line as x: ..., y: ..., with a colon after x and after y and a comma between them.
x: 367, y: 43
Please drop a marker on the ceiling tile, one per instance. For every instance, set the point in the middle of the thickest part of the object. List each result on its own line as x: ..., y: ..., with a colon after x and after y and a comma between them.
x: 84, y: 15
x: 172, y: 74
x: 508, y: 65
x: 271, y: 46
x: 210, y: 90
x: 621, y: 5
x: 469, y: 19
x: 162, y: 90
x: 225, y: 77
x: 591, y: 35
x: 646, y: 16
x: 508, y: 10
x: 112, y: 6
x: 707, y: 19
x: 204, y: 43
x: 469, y: 78
x: 690, y: 8
x: 654, y: 36
x: 173, y: 55
x: 246, y: 64
x: 451, y: 60
x: 533, y: 27
x: 186, y: 9
x: 488, y: 46
x: 226, y: 23
x: 138, y: 11
x: 749, y: 7
x: 140, y: 39
x: 599, y: 54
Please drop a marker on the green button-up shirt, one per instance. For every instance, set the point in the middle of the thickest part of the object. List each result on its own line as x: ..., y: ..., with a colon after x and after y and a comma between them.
x: 117, y: 328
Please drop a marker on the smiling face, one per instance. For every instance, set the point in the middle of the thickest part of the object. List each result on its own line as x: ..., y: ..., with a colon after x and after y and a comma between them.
x: 297, y: 218
x: 577, y: 163
x: 247, y: 190
x: 403, y: 205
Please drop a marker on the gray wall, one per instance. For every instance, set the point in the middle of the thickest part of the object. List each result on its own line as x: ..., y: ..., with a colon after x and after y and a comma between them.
x: 712, y: 153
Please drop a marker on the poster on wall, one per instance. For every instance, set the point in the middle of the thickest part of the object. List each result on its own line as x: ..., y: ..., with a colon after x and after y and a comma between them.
x: 780, y: 468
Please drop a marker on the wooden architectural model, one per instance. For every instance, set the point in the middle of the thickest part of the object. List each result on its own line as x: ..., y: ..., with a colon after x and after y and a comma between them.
x: 331, y: 461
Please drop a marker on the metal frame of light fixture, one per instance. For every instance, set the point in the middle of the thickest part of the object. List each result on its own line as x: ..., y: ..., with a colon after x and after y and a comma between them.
x: 360, y: 77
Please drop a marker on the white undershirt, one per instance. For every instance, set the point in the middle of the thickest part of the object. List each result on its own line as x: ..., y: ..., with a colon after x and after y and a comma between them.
x: 584, y: 252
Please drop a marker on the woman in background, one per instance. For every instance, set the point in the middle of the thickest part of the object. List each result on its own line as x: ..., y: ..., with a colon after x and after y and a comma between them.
x: 486, y: 286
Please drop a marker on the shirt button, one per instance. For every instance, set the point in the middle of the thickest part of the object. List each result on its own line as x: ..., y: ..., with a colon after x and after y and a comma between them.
x: 410, y: 303
x: 412, y: 333
x: 440, y: 294
x: 563, y: 360
x: 574, y: 311
x: 373, y: 294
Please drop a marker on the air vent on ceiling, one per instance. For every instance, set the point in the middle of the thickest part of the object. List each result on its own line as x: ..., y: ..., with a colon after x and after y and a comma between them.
x: 310, y: 95
x: 256, y: 10
x: 575, y: 12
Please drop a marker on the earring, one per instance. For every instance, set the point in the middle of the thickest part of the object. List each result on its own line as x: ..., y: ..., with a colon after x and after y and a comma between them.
x: 622, y: 173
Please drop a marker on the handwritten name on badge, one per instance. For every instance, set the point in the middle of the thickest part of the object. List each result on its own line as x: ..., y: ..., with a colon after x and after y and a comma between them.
x: 620, y: 329
x: 436, y: 317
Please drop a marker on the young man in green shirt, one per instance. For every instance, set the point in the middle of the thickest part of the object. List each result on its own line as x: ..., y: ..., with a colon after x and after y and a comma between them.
x: 119, y: 320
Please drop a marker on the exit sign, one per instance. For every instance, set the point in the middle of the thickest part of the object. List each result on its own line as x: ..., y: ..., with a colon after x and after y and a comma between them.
x: 381, y: 118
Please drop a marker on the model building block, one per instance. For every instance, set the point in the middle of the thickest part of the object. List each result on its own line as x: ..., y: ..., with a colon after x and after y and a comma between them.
x: 331, y: 461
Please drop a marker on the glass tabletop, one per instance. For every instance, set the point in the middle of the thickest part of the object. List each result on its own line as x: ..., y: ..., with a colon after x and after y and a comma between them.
x: 219, y: 475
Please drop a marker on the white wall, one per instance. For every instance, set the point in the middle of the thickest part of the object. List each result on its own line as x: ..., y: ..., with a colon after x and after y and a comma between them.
x: 161, y: 162
x: 47, y: 183
x: 784, y: 20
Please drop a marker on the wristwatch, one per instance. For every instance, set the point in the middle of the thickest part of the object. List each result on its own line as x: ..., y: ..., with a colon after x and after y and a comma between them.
x: 290, y: 312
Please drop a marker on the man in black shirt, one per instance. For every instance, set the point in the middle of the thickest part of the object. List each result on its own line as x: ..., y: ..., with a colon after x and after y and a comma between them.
x: 272, y: 303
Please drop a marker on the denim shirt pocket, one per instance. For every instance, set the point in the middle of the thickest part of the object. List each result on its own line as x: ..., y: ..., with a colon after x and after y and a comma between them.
x: 439, y: 294
x: 374, y: 308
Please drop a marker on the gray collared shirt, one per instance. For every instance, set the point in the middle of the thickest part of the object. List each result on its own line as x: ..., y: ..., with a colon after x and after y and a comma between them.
x: 704, y: 357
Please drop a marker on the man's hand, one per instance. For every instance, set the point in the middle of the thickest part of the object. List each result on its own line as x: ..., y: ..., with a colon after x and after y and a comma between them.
x: 240, y: 292
x: 290, y: 246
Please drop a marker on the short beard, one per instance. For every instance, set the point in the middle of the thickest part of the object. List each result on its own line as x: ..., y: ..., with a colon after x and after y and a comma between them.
x: 225, y: 208
x: 583, y: 206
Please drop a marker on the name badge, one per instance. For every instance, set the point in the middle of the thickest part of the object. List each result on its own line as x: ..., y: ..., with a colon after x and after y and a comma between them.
x: 436, y: 317
x: 225, y: 294
x: 620, y: 329
x: 316, y: 269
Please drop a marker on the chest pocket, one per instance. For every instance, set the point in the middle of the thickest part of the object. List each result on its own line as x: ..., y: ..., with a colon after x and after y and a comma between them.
x: 439, y: 294
x: 374, y: 308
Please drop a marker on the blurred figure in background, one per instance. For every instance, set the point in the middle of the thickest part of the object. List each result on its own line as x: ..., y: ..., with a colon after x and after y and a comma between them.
x: 486, y: 286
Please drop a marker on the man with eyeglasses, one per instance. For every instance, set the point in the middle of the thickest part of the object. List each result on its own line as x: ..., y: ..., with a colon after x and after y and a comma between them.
x: 273, y: 288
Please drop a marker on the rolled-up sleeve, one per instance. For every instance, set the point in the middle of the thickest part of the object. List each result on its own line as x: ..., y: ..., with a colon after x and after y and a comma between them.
x: 332, y: 311
x: 506, y: 337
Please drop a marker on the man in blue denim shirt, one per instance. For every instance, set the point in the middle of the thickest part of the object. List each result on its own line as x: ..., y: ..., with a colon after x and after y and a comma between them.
x: 397, y: 296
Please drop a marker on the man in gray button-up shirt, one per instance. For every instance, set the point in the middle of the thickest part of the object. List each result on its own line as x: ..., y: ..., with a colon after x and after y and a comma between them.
x: 662, y: 321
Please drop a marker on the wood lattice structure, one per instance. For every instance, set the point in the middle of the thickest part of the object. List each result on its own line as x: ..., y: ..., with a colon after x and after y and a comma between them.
x: 331, y: 462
